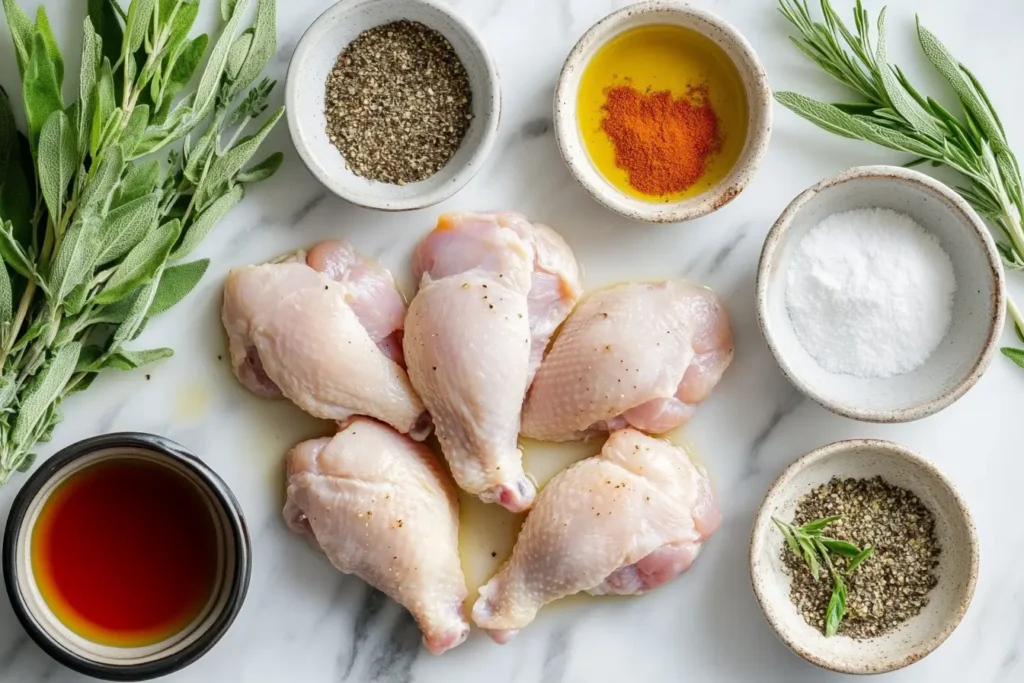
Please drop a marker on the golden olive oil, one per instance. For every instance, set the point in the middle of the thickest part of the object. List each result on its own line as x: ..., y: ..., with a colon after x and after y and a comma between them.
x: 657, y: 58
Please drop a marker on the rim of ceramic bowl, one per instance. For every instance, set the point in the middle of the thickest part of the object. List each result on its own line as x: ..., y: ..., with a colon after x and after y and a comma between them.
x: 770, y: 503
x: 577, y: 158
x: 766, y: 265
x: 224, y: 498
x: 307, y: 43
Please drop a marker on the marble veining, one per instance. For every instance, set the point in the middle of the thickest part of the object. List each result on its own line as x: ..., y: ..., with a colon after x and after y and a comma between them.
x: 304, y: 622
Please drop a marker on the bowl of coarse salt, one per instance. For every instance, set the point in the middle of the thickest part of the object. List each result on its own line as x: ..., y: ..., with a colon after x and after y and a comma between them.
x: 880, y: 294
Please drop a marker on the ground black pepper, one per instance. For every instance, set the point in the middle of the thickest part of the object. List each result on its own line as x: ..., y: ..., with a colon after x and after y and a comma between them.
x: 398, y: 103
x: 890, y: 587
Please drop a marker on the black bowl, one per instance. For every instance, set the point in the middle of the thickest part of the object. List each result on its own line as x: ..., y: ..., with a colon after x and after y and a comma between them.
x: 127, y: 664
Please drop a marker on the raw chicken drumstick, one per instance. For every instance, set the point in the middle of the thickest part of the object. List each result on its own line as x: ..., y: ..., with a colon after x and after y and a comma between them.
x: 381, y: 506
x: 326, y: 335
x: 493, y: 288
x: 622, y: 522
x: 633, y: 355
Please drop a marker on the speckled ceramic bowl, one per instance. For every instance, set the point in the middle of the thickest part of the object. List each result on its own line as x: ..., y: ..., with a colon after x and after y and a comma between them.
x: 957, y: 571
x: 978, y: 305
x: 315, y: 56
x: 759, y: 100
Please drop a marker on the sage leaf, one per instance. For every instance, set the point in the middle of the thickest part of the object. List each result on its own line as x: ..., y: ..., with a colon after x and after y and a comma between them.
x: 58, y: 161
x: 950, y: 68
x: 223, y: 169
x: 46, y: 388
x: 134, y: 129
x: 74, y: 260
x: 74, y: 302
x: 206, y: 92
x: 140, y: 181
x: 834, y: 120
x: 8, y: 135
x: 237, y: 54
x: 227, y: 8
x: 262, y: 170
x: 88, y: 75
x: 129, y: 360
x: 135, y: 316
x: 41, y: 90
x: 183, y: 20
x: 103, y: 105
x: 206, y: 220
x: 182, y: 68
x: 22, y: 33
x: 142, y: 263
x: 176, y: 283
x: 126, y: 226
x: 902, y: 101
x: 7, y: 298
x: 44, y: 31
x: 104, y: 17
x: 135, y: 27
x: 262, y: 48
x: 12, y: 253
x: 26, y: 462
x: 99, y: 191
x: 1016, y: 355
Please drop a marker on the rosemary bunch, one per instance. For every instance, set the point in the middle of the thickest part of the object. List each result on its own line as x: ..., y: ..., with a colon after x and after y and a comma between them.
x: 93, y: 236
x: 894, y: 114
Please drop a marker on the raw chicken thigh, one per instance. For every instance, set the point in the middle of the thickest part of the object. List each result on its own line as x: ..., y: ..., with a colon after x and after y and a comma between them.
x: 326, y: 335
x: 493, y: 288
x: 622, y: 522
x: 381, y: 506
x: 639, y: 355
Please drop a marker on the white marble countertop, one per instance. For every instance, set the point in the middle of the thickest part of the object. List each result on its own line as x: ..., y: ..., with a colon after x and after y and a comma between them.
x: 305, y: 622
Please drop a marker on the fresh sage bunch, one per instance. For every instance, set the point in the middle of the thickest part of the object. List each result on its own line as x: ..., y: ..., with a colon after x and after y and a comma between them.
x: 808, y: 542
x: 94, y: 232
x: 894, y: 114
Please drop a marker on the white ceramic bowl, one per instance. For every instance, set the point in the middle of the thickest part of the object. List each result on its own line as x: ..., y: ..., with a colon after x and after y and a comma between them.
x: 978, y: 305
x: 958, y: 560
x: 315, y: 56
x: 759, y: 104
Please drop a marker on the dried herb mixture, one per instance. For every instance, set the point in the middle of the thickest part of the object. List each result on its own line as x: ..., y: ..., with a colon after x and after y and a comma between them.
x: 398, y: 103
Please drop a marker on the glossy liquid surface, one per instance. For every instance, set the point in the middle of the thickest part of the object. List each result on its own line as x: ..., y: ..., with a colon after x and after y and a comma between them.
x: 125, y: 552
x: 654, y: 59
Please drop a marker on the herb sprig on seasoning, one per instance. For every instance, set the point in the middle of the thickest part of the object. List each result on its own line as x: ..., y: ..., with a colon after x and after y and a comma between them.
x: 816, y: 549
x: 894, y: 114
x: 93, y: 234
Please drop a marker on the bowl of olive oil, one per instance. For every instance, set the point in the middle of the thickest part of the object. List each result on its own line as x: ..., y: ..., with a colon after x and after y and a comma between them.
x: 663, y: 112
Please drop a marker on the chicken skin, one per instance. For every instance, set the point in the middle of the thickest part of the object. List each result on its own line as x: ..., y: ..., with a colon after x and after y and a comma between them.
x: 633, y: 355
x: 381, y: 506
x: 621, y: 522
x: 493, y: 288
x: 326, y: 335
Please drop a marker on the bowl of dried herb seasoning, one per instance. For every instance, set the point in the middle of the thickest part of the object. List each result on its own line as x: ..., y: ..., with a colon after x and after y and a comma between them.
x: 392, y: 104
x: 863, y: 557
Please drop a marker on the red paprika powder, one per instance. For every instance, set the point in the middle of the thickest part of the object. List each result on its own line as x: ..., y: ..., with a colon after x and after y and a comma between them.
x: 663, y: 143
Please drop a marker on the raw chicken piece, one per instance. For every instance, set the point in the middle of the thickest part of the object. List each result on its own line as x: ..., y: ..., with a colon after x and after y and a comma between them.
x: 329, y: 342
x: 622, y: 522
x: 493, y: 289
x: 640, y: 355
x: 381, y: 506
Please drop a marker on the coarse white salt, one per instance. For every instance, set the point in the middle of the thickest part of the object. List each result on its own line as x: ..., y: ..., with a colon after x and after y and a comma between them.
x: 870, y: 293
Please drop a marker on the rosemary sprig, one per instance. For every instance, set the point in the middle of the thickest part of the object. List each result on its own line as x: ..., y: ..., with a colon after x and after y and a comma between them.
x: 808, y: 542
x: 894, y: 114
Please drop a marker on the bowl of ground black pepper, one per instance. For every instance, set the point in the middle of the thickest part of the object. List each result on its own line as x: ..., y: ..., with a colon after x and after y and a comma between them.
x: 392, y: 104
x: 863, y: 557
x: 663, y: 112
